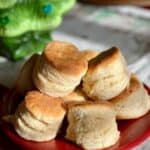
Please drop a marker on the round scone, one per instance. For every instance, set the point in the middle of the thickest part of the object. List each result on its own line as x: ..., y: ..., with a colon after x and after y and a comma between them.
x: 133, y: 102
x: 107, y: 75
x: 24, y: 81
x: 76, y: 96
x: 89, y: 54
x: 39, y: 117
x: 59, y: 69
x: 92, y: 125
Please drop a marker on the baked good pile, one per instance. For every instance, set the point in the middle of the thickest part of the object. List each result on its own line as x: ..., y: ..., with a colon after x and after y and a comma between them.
x: 93, y: 90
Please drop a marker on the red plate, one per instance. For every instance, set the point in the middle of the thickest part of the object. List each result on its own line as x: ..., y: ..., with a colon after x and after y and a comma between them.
x: 133, y: 132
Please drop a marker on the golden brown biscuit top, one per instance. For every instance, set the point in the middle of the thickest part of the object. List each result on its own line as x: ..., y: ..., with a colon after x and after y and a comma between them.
x: 95, y: 107
x: 65, y: 57
x: 77, y: 95
x: 135, y: 84
x: 89, y: 54
x: 89, y: 104
x: 42, y: 105
x: 73, y: 96
x: 104, y: 58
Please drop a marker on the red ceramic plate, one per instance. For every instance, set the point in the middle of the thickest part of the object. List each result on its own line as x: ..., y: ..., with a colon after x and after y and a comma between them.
x: 133, y: 132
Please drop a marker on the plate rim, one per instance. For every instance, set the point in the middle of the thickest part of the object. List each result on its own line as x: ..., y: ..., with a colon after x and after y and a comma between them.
x: 140, y: 139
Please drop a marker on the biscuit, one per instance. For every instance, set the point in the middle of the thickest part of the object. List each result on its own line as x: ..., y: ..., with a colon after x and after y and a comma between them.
x: 107, y: 75
x: 133, y: 102
x: 39, y: 117
x: 89, y: 54
x: 76, y: 96
x: 59, y: 69
x: 24, y: 81
x: 92, y: 125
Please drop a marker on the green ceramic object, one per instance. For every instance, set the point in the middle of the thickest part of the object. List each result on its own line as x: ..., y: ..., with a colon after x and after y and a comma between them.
x: 27, y: 44
x: 21, y: 25
x: 7, y: 3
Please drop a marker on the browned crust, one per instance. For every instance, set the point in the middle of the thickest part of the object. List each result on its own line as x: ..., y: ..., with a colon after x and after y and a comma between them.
x: 104, y: 58
x: 88, y: 103
x: 89, y: 54
x: 65, y: 57
x: 39, y: 103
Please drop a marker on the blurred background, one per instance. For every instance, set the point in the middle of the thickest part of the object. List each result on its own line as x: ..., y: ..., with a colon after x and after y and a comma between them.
x: 89, y: 24
x: 101, y: 26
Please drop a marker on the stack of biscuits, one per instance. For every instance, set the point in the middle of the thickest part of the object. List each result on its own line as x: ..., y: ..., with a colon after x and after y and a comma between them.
x: 91, y: 89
